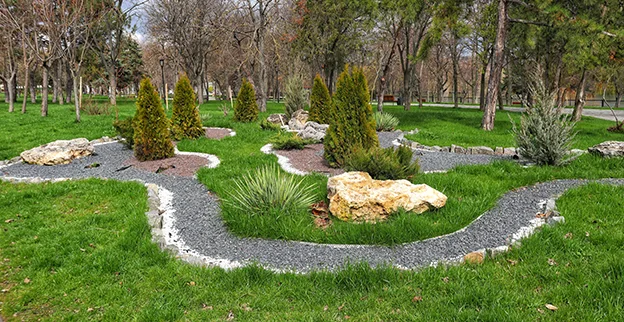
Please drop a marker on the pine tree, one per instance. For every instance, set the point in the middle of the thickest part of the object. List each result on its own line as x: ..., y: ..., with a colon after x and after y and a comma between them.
x: 151, y: 133
x: 320, y: 101
x: 186, y: 122
x: 351, y: 122
x: 295, y: 95
x: 246, y: 108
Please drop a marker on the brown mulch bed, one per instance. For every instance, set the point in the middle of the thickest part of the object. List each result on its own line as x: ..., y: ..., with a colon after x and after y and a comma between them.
x: 310, y: 159
x: 217, y: 134
x: 179, y: 165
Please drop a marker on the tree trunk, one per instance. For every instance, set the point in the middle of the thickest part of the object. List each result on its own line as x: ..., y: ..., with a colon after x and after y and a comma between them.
x: 68, y: 85
x: 112, y: 94
x: 501, y: 105
x: 496, y: 68
x: 579, y: 101
x: 11, y: 90
x: 407, y: 89
x: 618, y: 99
x: 482, y: 91
x: 55, y: 81
x: 5, y: 86
x: 26, y: 85
x: 200, y: 90
x: 59, y: 77
x: 455, y: 76
x: 33, y: 90
x: 44, y: 90
x: 380, y: 93
x: 76, y: 98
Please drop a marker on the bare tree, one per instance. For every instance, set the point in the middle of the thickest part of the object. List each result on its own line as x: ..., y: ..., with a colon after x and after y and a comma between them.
x: 9, y: 32
x: 189, y: 26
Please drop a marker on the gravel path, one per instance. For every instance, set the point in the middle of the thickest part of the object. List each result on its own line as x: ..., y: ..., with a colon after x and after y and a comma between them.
x: 438, y: 161
x: 198, y: 223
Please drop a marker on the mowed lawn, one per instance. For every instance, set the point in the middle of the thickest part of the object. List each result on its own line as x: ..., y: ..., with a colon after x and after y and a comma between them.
x: 81, y: 250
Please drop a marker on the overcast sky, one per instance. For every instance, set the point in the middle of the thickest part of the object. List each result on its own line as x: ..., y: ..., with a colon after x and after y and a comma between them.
x: 137, y: 19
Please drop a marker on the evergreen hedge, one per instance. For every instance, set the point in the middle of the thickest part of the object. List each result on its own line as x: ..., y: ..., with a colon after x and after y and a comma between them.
x: 320, y: 101
x: 351, y: 122
x: 151, y: 126
x: 186, y: 122
x: 246, y: 108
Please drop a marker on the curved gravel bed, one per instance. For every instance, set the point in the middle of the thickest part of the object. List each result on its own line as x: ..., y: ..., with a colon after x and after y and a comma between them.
x: 194, y: 223
x: 438, y: 161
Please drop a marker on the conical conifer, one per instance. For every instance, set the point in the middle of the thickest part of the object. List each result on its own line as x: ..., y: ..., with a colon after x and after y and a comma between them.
x: 151, y: 126
x: 320, y: 102
x: 186, y: 122
x: 246, y: 108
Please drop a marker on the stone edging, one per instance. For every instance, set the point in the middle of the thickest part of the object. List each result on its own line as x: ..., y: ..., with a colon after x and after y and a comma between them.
x: 161, y: 221
x: 283, y: 161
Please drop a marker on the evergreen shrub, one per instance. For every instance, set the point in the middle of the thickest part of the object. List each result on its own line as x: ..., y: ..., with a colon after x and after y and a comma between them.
x: 151, y: 126
x: 185, y: 122
x: 246, y: 108
x: 295, y: 96
x: 351, y: 123
x: 320, y: 102
x: 384, y: 164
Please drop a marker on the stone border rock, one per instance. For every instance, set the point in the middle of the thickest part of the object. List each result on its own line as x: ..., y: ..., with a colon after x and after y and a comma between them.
x: 190, y: 226
x: 283, y: 161
x: 482, y: 150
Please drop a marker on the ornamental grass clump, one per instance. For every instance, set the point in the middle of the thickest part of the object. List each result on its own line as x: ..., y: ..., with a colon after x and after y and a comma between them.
x: 151, y: 126
x: 246, y: 108
x: 544, y: 136
x: 384, y: 164
x: 185, y: 122
x: 288, y: 141
x: 295, y: 96
x: 351, y: 122
x: 385, y: 121
x: 268, y: 190
x: 320, y: 102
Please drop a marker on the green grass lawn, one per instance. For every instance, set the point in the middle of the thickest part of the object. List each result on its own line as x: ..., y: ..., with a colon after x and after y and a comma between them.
x: 446, y: 126
x: 81, y: 250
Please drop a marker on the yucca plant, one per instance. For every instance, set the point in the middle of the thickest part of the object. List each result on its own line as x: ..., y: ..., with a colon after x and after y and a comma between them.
x: 268, y: 190
x: 385, y: 121
x: 384, y: 164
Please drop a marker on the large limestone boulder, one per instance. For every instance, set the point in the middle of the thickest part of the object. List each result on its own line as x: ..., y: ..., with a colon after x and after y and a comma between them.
x: 608, y: 149
x: 58, y: 152
x: 313, y: 131
x: 279, y: 119
x: 298, y: 120
x: 355, y: 196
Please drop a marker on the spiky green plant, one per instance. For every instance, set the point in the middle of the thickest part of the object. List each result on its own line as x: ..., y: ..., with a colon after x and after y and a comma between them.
x: 385, y: 121
x: 351, y: 122
x: 246, y: 108
x: 185, y: 122
x: 320, y: 102
x: 544, y: 136
x: 151, y: 126
x: 295, y: 96
x: 384, y: 164
x: 268, y: 190
x: 288, y: 141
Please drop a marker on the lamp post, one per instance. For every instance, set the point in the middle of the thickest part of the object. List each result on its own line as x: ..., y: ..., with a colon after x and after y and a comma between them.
x: 162, y: 74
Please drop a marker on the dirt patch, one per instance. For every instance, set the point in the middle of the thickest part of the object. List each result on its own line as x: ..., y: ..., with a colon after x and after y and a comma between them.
x: 179, y: 165
x: 217, y: 133
x: 310, y: 159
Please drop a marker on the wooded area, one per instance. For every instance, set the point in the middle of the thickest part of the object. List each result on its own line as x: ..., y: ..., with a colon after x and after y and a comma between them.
x: 459, y: 51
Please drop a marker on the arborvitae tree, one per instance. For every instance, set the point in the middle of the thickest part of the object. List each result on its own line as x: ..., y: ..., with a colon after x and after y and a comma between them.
x: 320, y: 101
x: 295, y: 95
x: 151, y: 132
x: 351, y: 122
x: 246, y: 108
x: 186, y: 122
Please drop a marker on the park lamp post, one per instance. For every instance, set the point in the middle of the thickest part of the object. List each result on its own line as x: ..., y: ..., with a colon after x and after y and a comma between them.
x: 162, y: 74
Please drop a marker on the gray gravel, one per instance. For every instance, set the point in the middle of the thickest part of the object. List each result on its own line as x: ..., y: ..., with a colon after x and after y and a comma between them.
x: 439, y: 161
x: 199, y: 223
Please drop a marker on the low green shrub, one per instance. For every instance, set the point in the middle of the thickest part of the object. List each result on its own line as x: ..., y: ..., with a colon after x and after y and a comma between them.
x: 288, y: 141
x: 384, y: 164
x: 268, y: 126
x: 385, y: 121
x: 92, y: 107
x: 268, y: 190
x: 125, y: 130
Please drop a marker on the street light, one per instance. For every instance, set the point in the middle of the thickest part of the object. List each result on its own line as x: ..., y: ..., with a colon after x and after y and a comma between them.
x: 162, y: 74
